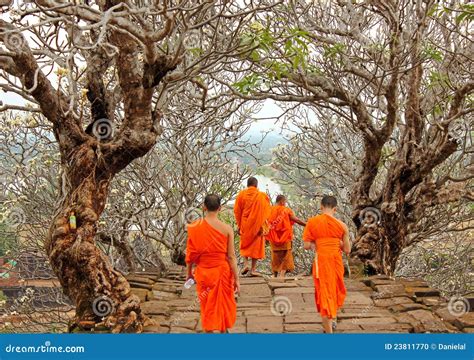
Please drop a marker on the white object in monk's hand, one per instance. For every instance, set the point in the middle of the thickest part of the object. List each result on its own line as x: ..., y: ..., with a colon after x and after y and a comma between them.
x: 190, y: 282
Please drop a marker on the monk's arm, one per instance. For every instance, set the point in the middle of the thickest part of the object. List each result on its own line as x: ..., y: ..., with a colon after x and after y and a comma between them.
x: 308, y: 238
x: 346, y: 243
x: 238, y: 211
x: 233, y: 259
x: 189, y: 271
x: 297, y: 221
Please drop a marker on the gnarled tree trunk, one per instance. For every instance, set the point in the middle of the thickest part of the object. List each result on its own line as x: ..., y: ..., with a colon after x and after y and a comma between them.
x: 101, y: 294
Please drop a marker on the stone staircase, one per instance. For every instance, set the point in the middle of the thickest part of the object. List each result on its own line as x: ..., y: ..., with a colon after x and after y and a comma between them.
x: 376, y: 304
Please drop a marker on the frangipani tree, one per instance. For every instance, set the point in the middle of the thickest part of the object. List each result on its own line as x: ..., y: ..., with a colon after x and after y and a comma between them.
x: 397, y: 73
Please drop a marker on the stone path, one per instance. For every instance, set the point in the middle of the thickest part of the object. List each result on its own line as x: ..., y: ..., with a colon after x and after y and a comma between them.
x: 373, y: 305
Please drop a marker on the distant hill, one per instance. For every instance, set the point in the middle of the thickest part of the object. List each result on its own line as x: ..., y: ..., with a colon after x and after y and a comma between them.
x: 263, y: 152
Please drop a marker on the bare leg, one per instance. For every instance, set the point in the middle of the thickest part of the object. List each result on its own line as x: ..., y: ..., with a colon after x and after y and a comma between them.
x: 327, y: 324
x: 282, y: 274
x: 245, y: 269
x: 254, y: 272
x: 254, y: 265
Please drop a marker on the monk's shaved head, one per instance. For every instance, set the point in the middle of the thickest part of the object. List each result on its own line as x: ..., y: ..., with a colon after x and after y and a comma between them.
x: 329, y: 201
x: 212, y: 202
x: 280, y: 198
x: 252, y: 181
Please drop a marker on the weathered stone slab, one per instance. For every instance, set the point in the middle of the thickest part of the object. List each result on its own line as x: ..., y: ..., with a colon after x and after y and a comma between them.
x: 155, y: 308
x: 255, y: 290
x: 138, y: 285
x: 157, y: 329
x: 250, y: 307
x: 422, y: 315
x: 141, y: 293
x: 245, y: 280
x: 165, y: 295
x: 184, y: 323
x: 358, y: 298
x: 308, y: 318
x: 265, y: 324
x: 180, y: 330
x: 140, y: 279
x: 296, y: 290
x: 445, y: 315
x: 370, y: 312
x: 422, y: 291
x: 303, y: 328
x: 374, y: 320
x: 308, y: 298
x: 252, y: 299
x: 255, y: 313
x: 305, y: 282
x: 296, y: 300
x: 238, y: 330
x: 161, y: 320
x: 432, y: 301
x: 170, y: 281
x: 387, y: 328
x: 376, y: 282
x: 354, y: 285
x: 347, y: 326
x: 277, y: 285
x: 389, y: 290
x: 427, y: 322
x: 407, y: 307
x: 392, y: 301
x: 465, y: 321
x: 168, y: 288
x: 368, y: 279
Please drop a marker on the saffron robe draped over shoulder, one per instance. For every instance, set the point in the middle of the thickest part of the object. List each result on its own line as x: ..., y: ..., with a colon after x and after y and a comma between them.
x: 328, y: 269
x: 281, y: 226
x: 207, y: 248
x: 251, y: 210
x: 280, y: 236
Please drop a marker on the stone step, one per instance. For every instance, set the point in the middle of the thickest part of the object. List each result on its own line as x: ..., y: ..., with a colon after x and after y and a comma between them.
x: 139, y: 285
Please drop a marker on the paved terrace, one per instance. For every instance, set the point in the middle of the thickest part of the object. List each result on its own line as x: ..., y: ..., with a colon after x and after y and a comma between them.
x: 373, y: 305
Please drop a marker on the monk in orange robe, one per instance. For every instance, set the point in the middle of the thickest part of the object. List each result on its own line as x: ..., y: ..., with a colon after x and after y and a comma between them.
x: 251, y: 210
x: 210, y: 247
x: 280, y: 237
x: 327, y: 236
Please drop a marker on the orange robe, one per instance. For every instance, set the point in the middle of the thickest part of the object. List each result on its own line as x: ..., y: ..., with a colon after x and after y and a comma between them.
x: 281, y: 226
x: 280, y: 237
x: 328, y: 269
x: 207, y: 248
x: 251, y: 210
